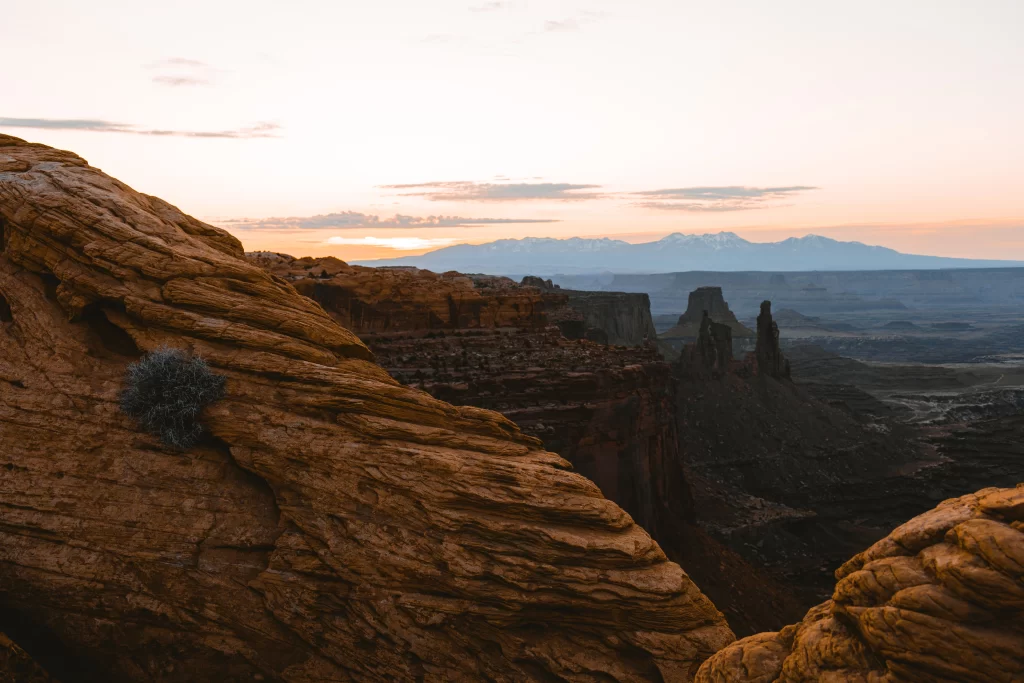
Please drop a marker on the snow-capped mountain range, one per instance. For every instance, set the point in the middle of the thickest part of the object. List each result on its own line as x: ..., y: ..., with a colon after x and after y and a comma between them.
x: 723, y: 251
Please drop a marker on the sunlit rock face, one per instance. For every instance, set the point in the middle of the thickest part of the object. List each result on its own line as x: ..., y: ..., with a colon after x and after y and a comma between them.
x: 332, y: 524
x: 939, y: 599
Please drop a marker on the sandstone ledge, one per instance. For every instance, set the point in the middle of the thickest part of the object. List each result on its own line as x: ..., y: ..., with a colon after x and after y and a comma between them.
x: 940, y: 599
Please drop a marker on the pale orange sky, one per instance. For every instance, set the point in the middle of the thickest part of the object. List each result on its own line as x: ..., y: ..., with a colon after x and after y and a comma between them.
x: 893, y: 123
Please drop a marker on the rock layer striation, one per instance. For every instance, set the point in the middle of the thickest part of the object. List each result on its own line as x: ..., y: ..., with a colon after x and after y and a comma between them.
x: 333, y: 525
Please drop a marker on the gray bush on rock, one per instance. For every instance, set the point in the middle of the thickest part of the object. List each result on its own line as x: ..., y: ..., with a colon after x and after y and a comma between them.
x: 166, y: 391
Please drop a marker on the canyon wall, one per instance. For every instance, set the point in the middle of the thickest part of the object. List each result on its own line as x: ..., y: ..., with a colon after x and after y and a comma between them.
x: 625, y: 318
x: 332, y: 524
x: 609, y: 410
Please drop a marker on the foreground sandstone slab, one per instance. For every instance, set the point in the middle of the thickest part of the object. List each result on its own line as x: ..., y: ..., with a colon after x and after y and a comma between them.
x: 333, y: 526
x: 940, y: 599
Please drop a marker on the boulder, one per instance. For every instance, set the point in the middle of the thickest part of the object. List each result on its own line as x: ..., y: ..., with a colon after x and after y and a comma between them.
x: 940, y: 599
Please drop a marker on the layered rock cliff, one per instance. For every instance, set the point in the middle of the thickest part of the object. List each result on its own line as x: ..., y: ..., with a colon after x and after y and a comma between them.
x: 622, y: 318
x: 334, y: 524
x: 371, y: 300
x: 609, y: 410
x: 625, y: 318
x: 938, y: 600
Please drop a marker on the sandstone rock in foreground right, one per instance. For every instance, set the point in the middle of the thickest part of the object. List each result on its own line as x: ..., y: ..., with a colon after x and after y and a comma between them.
x: 940, y: 599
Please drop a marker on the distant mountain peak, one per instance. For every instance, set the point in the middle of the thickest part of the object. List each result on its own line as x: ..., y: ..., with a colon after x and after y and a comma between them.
x: 720, y: 251
x: 716, y: 240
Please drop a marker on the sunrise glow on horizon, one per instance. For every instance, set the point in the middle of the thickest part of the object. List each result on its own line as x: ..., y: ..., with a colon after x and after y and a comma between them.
x: 375, y: 130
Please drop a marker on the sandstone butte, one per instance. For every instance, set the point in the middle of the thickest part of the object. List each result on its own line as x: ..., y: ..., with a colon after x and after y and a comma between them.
x: 334, y: 526
x: 940, y: 599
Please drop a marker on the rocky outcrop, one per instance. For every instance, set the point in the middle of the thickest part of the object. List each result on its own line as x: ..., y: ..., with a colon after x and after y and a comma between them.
x: 768, y: 353
x: 379, y: 300
x: 938, y: 600
x: 333, y: 525
x: 709, y: 301
x: 16, y: 666
x: 711, y: 354
x: 540, y: 283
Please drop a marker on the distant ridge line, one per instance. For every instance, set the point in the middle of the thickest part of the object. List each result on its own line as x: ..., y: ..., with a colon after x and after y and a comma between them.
x: 677, y: 252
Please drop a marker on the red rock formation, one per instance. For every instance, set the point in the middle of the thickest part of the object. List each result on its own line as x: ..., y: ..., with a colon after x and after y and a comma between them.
x: 711, y: 353
x: 335, y: 525
x: 368, y: 300
x: 939, y: 600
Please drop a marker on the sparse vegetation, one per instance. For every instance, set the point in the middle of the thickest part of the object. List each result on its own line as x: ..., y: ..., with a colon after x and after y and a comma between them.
x: 166, y: 391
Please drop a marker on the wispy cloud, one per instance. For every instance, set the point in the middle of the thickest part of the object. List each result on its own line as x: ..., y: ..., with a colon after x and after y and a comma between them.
x: 490, y: 6
x: 718, y: 199
x: 574, y: 23
x: 179, y: 71
x: 179, y: 61
x: 262, y: 129
x: 399, y: 243
x: 464, y: 190
x: 352, y: 220
x: 176, y: 81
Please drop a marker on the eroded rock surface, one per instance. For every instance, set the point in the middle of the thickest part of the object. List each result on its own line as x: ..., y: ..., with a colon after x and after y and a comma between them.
x: 940, y: 599
x: 334, y: 525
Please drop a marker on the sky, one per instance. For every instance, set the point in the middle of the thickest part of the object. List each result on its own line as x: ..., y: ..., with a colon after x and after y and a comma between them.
x: 379, y: 129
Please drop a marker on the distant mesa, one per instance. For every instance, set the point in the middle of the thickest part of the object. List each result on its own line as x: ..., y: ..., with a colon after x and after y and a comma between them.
x: 953, y: 327
x: 901, y: 325
x: 711, y: 301
x: 791, y: 318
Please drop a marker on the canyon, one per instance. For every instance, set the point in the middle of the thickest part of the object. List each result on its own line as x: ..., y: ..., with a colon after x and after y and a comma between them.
x: 333, y: 525
x: 422, y: 476
x: 607, y: 409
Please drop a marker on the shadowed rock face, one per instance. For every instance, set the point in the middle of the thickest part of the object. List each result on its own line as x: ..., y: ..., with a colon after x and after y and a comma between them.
x: 707, y: 300
x: 939, y: 599
x: 623, y: 317
x: 334, y: 525
x: 770, y: 360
